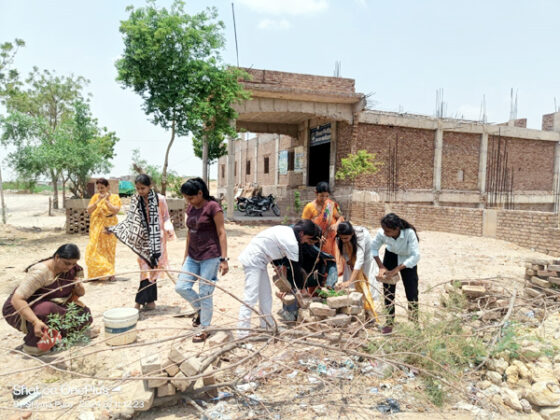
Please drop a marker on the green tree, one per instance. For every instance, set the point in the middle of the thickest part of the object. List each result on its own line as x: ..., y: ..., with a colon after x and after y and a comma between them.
x: 9, y: 77
x: 88, y: 148
x: 44, y: 105
x: 171, y: 59
x: 141, y: 166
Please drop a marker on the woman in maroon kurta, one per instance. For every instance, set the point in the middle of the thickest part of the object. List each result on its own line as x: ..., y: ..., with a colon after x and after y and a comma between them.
x: 48, y: 288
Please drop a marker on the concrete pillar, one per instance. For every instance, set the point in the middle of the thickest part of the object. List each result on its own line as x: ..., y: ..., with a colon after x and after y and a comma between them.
x: 256, y: 166
x: 305, y: 151
x: 482, y: 167
x: 438, y: 149
x: 276, y: 158
x: 332, y: 157
x: 556, y: 177
x: 230, y: 177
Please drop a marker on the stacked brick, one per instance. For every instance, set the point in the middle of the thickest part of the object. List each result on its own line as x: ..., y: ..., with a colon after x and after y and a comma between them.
x: 490, y: 300
x: 337, y: 312
x: 542, y: 279
x: 175, y: 374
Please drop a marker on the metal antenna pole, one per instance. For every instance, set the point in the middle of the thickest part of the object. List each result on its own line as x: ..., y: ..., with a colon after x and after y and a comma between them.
x: 235, y: 34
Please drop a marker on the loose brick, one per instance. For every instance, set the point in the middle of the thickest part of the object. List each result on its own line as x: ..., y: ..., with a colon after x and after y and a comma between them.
x: 340, y: 320
x: 322, y: 310
x: 151, y: 364
x: 474, y: 291
x: 156, y: 383
x: 545, y: 284
x: 554, y: 280
x: 166, y: 390
x: 288, y: 299
x: 219, y: 338
x: 208, y: 380
x: 351, y: 310
x: 191, y: 366
x: 336, y: 302
x: 179, y: 352
x: 181, y: 382
x: 171, y: 368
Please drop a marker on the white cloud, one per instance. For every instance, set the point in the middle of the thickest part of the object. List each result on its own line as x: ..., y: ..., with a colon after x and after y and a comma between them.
x: 273, y: 24
x: 286, y: 7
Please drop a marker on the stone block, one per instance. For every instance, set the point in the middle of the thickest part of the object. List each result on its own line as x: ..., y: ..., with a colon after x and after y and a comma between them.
x: 340, y: 320
x: 553, y: 267
x: 137, y: 391
x: 156, y: 383
x: 171, y: 368
x: 166, y: 390
x: 356, y: 298
x: 350, y: 310
x: 320, y: 309
x: 530, y: 272
x: 336, y: 302
x: 288, y: 299
x: 151, y: 364
x: 545, y: 284
x: 554, y: 280
x: 191, y: 366
x: 304, y: 315
x: 538, y: 261
x: 474, y: 291
x: 220, y: 338
x: 545, y: 273
x: 179, y: 352
x: 208, y: 380
x: 532, y: 293
x: 181, y: 382
x: 544, y: 394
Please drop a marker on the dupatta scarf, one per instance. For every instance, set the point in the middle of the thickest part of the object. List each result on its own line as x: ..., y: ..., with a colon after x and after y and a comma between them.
x: 140, y: 231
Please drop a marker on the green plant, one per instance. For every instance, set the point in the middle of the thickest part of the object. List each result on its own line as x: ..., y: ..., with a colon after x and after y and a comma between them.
x: 297, y: 202
x: 508, y: 342
x: 71, y: 322
x: 434, y: 389
x: 327, y: 293
x: 357, y: 164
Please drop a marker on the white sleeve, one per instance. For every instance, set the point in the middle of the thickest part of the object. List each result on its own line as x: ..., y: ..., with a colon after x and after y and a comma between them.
x: 377, y: 242
x: 413, y: 250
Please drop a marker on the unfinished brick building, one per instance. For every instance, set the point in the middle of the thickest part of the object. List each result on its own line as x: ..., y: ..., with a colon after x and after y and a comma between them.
x: 309, y: 123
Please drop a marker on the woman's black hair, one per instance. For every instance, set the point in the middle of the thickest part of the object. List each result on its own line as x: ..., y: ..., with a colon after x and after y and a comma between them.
x: 307, y: 227
x: 66, y: 251
x: 322, y: 187
x: 144, y: 180
x: 346, y: 228
x: 392, y: 221
x: 102, y: 181
x: 194, y: 185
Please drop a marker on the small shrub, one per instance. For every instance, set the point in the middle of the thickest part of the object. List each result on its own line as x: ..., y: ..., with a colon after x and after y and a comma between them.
x: 71, y: 322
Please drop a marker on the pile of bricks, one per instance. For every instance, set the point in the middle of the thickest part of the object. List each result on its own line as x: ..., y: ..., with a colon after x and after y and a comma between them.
x: 490, y: 300
x: 174, y: 375
x: 337, y: 312
x: 542, y: 279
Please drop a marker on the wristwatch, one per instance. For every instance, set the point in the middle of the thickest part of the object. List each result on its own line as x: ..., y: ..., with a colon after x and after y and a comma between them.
x: 222, y: 259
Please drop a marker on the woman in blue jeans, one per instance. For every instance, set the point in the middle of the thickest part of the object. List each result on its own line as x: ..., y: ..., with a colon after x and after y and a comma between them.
x: 205, y: 252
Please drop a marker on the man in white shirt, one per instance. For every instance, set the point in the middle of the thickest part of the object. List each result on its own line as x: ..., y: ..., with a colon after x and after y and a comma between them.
x: 271, y: 244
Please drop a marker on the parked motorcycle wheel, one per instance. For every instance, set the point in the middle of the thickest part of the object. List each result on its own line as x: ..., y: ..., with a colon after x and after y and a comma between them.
x: 250, y: 210
x: 242, y: 206
x: 276, y: 210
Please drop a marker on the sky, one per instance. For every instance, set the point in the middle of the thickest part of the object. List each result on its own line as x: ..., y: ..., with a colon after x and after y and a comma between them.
x: 399, y: 52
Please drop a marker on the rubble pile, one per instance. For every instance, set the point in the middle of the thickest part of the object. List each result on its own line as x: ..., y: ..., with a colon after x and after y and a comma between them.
x: 542, y: 279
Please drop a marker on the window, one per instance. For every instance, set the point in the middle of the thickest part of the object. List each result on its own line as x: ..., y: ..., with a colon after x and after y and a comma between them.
x: 248, y: 168
x: 266, y: 163
x: 223, y: 171
x: 291, y: 160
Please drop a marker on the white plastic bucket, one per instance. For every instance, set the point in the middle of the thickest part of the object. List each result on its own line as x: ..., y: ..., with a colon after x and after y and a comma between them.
x: 120, y: 326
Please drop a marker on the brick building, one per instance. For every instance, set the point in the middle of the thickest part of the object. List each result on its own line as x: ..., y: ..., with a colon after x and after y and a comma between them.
x: 309, y: 123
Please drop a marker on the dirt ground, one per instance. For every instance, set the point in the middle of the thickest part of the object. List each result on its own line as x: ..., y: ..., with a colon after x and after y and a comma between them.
x: 444, y: 257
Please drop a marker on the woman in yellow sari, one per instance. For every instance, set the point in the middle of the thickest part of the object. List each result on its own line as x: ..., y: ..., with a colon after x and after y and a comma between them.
x: 100, y: 252
x: 325, y: 213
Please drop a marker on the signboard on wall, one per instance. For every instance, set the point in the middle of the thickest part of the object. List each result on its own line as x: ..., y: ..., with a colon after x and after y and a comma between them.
x: 320, y: 135
x: 298, y: 159
x: 283, y: 162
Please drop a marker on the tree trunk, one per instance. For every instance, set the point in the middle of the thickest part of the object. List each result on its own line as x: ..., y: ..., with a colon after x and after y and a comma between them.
x: 205, y: 159
x: 63, y: 188
x: 165, y: 162
x: 54, y: 180
x: 2, y: 198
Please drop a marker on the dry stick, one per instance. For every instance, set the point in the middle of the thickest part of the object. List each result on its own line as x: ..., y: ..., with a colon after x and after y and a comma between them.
x: 500, y: 326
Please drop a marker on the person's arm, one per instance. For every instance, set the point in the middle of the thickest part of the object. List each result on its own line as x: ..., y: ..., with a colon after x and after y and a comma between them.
x: 221, y: 230
x: 186, y: 247
x: 413, y: 254
x: 376, y: 243
x: 114, y: 209
x: 94, y: 202
x: 22, y: 307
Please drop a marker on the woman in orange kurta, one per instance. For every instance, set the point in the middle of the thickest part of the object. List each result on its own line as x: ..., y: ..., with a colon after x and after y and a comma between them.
x: 325, y: 213
x: 100, y: 252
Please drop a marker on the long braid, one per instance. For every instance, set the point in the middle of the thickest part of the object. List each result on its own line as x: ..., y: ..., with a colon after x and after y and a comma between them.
x: 35, y: 263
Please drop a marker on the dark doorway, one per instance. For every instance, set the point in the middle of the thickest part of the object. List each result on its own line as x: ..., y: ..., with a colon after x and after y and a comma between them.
x: 319, y: 162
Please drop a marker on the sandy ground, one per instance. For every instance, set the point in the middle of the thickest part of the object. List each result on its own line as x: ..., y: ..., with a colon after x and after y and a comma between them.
x: 444, y: 257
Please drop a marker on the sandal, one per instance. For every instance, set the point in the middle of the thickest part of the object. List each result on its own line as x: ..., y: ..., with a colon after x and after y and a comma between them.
x: 200, y: 338
x: 196, y: 320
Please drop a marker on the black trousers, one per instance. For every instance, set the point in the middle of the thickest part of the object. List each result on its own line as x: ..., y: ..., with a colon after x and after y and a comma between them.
x: 409, y: 277
x: 147, y: 292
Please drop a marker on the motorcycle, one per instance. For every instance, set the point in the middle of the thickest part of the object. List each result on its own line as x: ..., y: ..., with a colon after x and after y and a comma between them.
x: 256, y: 206
x: 242, y: 204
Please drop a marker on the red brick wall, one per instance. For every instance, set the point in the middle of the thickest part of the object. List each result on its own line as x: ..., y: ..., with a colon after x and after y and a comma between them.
x: 415, y: 156
x: 460, y: 153
x: 530, y: 229
x: 548, y: 122
x: 442, y: 219
x: 532, y: 162
x: 279, y: 79
x: 343, y: 145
